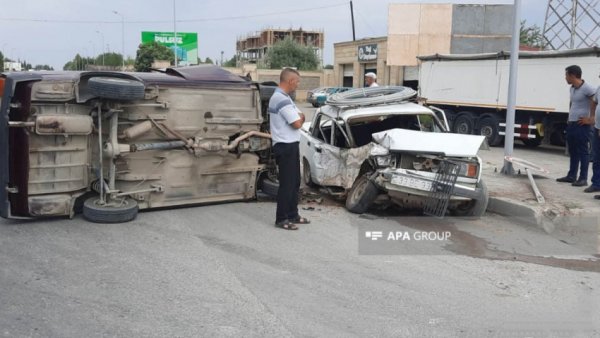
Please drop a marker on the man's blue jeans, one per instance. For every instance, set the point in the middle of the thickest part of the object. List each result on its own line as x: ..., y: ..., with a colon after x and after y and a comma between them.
x: 596, y: 158
x: 578, y: 138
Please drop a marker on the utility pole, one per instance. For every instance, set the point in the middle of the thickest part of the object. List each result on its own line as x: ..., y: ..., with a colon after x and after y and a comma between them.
x: 175, y: 32
x: 352, y: 16
x: 509, y: 139
x: 122, y: 38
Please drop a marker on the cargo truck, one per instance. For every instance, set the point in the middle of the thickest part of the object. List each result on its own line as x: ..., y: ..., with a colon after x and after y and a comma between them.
x: 472, y: 90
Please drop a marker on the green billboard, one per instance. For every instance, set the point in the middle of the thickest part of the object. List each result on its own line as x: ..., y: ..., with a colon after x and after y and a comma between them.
x: 187, y: 44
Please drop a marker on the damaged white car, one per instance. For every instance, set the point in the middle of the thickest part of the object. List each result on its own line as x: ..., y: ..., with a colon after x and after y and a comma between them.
x: 393, y: 153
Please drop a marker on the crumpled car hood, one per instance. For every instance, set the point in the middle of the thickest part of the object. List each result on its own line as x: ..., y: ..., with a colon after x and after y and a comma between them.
x: 452, y: 145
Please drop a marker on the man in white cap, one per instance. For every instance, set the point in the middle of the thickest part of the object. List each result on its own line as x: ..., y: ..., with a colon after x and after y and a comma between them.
x: 371, y: 80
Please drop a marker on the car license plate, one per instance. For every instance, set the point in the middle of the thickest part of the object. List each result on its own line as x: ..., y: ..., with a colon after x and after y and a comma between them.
x: 410, y: 182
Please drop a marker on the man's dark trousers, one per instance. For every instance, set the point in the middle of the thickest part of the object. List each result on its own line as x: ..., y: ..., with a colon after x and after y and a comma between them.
x: 578, y: 137
x: 287, y: 156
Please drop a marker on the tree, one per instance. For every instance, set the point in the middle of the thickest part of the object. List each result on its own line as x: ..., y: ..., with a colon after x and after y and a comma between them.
x: 43, y: 67
x: 148, y: 53
x: 25, y: 65
x: 110, y: 59
x: 78, y: 63
x: 531, y: 36
x: 328, y: 67
x: 209, y: 61
x: 288, y: 53
x: 1, y: 62
x: 231, y: 62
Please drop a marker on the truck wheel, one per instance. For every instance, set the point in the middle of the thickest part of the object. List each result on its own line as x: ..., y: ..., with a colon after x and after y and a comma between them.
x: 306, y: 176
x: 362, y: 195
x: 463, y: 124
x: 559, y: 135
x: 116, y: 88
x: 489, y: 127
x: 475, y: 208
x: 94, y: 212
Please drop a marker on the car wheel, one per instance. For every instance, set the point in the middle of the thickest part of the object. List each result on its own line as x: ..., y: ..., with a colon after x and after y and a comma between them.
x: 474, y: 208
x: 306, y: 176
x: 463, y: 124
x: 490, y: 128
x: 118, y: 213
x: 362, y: 195
x: 269, y: 187
x: 116, y: 88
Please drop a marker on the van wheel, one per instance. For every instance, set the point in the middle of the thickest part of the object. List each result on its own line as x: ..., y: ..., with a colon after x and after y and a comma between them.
x: 362, y: 195
x: 463, y: 124
x: 116, y: 212
x: 116, y: 88
x: 269, y: 187
x: 475, y: 208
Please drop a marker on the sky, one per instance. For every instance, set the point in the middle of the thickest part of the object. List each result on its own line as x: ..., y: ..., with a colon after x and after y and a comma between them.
x: 52, y: 32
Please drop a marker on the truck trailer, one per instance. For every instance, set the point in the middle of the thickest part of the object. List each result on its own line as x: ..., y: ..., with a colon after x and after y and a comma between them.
x: 472, y: 89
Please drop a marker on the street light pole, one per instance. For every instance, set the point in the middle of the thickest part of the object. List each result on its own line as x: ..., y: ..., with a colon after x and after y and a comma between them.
x: 175, y: 32
x: 122, y: 38
x: 509, y: 137
x: 102, y: 49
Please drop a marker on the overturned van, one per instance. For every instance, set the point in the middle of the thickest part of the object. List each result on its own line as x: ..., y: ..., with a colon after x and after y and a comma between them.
x: 118, y: 142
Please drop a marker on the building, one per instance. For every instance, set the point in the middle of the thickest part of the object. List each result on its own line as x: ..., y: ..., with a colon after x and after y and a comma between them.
x: 422, y: 29
x: 254, y: 47
x: 10, y: 66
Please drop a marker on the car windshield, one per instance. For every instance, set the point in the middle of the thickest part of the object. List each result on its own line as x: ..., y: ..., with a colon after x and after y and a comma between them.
x: 362, y: 127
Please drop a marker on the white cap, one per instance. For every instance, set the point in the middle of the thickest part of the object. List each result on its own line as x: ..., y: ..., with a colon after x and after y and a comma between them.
x: 371, y: 75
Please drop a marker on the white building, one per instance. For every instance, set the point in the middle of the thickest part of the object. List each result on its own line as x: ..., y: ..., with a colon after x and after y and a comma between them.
x: 12, y: 66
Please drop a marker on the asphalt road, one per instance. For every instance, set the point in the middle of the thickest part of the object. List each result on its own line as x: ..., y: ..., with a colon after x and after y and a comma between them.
x: 225, y: 270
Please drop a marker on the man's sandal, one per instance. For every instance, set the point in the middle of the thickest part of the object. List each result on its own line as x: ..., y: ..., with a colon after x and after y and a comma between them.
x: 300, y: 220
x: 287, y: 225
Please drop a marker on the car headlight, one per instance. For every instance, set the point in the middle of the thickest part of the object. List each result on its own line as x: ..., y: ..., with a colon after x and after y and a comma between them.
x: 468, y: 170
x: 383, y: 161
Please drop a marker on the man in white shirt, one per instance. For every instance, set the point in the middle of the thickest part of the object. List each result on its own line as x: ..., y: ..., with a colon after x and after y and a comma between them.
x: 371, y: 80
x: 285, y: 122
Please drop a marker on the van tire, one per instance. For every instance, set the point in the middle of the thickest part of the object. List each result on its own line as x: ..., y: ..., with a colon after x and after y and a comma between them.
x: 96, y: 213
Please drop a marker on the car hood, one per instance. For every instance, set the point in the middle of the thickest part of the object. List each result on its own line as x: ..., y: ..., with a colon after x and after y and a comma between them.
x: 447, y: 144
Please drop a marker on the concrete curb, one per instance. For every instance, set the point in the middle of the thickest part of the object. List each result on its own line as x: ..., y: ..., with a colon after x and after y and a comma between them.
x: 538, y: 216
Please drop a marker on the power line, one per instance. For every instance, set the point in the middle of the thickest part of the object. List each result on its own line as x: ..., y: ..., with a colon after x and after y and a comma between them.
x: 170, y: 21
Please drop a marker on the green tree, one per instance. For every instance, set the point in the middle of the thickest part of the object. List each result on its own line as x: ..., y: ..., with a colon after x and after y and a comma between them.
x: 78, y: 63
x: 531, y: 36
x: 148, y: 53
x: 231, y: 62
x: 288, y: 53
x: 209, y: 61
x: 328, y: 67
x: 110, y: 59
x: 43, y: 67
x: 1, y: 62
